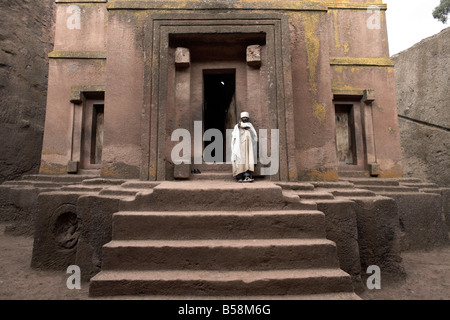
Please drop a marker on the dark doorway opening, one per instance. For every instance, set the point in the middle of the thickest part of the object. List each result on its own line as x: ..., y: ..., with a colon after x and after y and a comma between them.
x: 219, y: 107
x: 92, y: 131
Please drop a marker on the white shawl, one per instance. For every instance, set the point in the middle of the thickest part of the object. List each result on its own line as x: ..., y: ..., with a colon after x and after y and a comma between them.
x: 235, y: 143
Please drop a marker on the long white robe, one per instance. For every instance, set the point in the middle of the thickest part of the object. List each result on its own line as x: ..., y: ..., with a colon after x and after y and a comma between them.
x: 243, y: 149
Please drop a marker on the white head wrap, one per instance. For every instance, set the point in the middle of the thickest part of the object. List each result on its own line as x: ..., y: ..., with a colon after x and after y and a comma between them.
x: 245, y: 115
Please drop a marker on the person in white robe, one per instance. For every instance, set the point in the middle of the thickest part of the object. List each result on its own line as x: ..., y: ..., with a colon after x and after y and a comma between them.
x: 244, y: 149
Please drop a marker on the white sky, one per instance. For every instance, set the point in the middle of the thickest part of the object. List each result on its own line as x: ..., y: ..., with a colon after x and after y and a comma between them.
x: 410, y: 21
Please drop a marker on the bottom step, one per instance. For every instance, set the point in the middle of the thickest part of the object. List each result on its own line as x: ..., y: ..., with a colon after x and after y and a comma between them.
x: 319, y: 296
x: 216, y: 283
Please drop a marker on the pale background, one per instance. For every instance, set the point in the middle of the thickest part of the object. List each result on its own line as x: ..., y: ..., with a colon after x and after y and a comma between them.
x: 410, y: 21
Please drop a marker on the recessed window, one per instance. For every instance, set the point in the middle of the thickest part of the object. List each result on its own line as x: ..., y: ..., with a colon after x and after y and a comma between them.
x: 92, y: 133
x: 97, y: 133
x: 345, y: 135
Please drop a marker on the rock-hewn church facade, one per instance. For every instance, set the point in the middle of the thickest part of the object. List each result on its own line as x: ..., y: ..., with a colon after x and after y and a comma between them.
x: 125, y: 74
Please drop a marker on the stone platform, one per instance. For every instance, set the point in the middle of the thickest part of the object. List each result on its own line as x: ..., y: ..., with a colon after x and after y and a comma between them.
x: 218, y: 238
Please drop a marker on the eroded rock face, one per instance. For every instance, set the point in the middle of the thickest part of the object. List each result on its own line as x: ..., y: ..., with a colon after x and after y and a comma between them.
x: 423, y: 98
x: 26, y: 38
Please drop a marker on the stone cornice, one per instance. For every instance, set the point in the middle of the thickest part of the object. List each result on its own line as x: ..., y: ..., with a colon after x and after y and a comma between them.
x: 216, y: 5
x: 233, y: 4
x: 304, y: 5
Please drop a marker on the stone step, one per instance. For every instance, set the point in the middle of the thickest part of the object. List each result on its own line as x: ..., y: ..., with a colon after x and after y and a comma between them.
x: 421, y: 185
x: 64, y: 178
x: 333, y: 185
x: 409, y: 180
x: 33, y: 184
x: 224, y: 255
x: 220, y: 283
x: 309, y: 203
x: 209, y: 195
x: 300, y: 186
x: 432, y: 190
x: 379, y: 188
x: 204, y: 167
x: 293, y: 201
x: 118, y: 191
x: 180, y: 225
x: 140, y: 184
x: 314, y: 195
x: 372, y: 181
x: 303, y: 297
x: 353, y: 193
x: 212, y: 175
x: 82, y: 188
x: 104, y: 182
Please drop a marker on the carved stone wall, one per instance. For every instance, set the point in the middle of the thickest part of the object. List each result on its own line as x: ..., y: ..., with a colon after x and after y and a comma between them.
x: 25, y: 41
x: 423, y: 98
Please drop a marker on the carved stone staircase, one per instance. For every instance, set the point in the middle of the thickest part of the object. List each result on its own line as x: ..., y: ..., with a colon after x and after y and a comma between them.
x: 218, y: 239
x: 215, y: 238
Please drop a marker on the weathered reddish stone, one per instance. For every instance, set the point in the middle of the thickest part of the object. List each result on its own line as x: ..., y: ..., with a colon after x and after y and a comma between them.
x: 288, y: 72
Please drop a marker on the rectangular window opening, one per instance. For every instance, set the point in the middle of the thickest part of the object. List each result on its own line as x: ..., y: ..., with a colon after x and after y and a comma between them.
x: 97, y: 133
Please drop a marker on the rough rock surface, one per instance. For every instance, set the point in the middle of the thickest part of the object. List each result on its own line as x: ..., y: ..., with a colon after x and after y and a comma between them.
x: 25, y: 41
x: 423, y: 99
x: 422, y: 77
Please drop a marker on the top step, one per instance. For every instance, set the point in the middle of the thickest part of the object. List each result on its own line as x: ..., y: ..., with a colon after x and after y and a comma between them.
x: 205, y: 195
x: 213, y: 175
x: 204, y: 167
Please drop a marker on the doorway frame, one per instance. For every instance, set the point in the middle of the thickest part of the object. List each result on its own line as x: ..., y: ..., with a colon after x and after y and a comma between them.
x: 158, y: 29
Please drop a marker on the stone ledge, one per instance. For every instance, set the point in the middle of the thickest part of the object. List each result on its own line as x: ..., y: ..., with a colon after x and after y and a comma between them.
x: 81, y: 1
x: 60, y: 54
x: 356, y: 6
x: 348, y: 92
x: 361, y: 62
